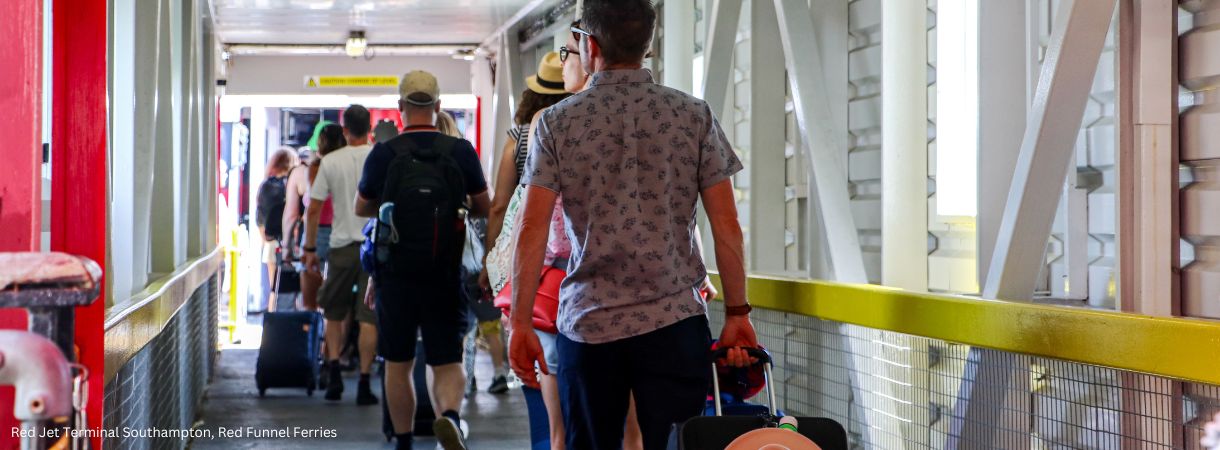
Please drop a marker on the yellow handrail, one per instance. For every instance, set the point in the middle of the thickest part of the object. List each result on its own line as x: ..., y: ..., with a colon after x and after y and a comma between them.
x: 133, y: 323
x: 1172, y: 347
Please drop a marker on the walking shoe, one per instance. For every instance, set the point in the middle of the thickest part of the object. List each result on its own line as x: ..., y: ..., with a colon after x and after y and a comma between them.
x: 449, y: 434
x: 334, y: 388
x: 499, y: 385
x: 364, y: 394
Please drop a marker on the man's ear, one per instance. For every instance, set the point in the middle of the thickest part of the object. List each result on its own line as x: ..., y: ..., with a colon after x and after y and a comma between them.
x: 402, y: 106
x: 438, y: 106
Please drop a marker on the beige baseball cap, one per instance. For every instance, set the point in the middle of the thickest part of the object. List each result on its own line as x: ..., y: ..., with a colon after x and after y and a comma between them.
x: 419, y: 88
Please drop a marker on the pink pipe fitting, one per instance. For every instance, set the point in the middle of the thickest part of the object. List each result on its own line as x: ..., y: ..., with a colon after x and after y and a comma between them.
x: 39, y: 372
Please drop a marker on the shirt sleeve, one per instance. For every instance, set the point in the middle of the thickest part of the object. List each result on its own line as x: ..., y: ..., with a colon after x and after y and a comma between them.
x: 542, y: 163
x: 372, y: 179
x: 717, y: 161
x: 472, y: 169
x: 321, y: 188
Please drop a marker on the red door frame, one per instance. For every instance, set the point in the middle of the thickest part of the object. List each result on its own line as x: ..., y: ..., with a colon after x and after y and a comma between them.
x: 20, y: 179
x: 79, y: 166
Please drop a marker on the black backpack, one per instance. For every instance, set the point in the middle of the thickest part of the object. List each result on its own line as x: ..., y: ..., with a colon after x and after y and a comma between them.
x: 428, y: 191
x: 270, y: 213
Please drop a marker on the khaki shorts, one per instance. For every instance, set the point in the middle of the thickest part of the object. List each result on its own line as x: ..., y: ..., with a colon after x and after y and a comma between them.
x: 342, y: 294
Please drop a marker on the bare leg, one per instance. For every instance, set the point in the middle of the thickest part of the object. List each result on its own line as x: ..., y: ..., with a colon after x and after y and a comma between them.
x: 400, y: 395
x: 271, y: 293
x: 336, y: 334
x: 447, y: 386
x: 554, y: 411
x: 633, y: 439
x: 368, y: 347
x: 495, y: 346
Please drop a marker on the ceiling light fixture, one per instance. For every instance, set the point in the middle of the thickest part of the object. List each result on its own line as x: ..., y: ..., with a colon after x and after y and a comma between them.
x: 464, y: 54
x: 357, y: 44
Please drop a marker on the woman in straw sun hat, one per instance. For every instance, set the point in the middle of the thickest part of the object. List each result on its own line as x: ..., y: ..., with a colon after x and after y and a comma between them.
x: 545, y: 89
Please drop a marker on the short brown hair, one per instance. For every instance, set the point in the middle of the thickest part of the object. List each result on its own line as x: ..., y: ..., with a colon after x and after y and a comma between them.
x: 623, y: 28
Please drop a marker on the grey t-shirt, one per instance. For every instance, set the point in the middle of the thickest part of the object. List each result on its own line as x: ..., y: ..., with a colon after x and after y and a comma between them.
x: 630, y: 158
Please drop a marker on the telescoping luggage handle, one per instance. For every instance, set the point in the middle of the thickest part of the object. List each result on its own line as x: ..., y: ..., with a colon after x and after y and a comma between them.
x: 763, y: 358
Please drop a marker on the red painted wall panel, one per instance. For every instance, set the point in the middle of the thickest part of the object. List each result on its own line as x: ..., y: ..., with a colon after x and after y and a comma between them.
x: 78, y: 207
x: 20, y: 197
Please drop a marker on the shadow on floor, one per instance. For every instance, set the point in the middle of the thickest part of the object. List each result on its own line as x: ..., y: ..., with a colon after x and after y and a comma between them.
x: 232, y: 401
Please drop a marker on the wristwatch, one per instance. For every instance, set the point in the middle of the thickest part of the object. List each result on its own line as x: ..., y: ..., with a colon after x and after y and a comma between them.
x: 309, y: 249
x: 742, y: 310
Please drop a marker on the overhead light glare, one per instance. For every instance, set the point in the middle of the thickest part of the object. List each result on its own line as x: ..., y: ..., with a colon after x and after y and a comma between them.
x: 464, y: 54
x: 357, y: 44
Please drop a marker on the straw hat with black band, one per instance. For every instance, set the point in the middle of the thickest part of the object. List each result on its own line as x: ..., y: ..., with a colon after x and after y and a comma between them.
x: 549, y: 79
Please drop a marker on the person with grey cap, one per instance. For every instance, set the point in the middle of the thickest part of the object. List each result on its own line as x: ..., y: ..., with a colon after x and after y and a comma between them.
x: 427, y: 182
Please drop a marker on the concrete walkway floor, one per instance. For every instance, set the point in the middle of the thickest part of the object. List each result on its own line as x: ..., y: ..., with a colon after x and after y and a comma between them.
x: 496, y: 421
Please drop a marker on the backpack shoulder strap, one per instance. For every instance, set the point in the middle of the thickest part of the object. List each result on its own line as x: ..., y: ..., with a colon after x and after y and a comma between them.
x: 444, y: 144
x: 402, y: 144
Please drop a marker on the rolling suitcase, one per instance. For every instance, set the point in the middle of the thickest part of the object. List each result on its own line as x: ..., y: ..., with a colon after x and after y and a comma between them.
x: 720, y: 431
x: 424, y: 415
x: 288, y: 357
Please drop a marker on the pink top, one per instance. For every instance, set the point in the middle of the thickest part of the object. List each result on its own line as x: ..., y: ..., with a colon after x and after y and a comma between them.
x: 328, y: 213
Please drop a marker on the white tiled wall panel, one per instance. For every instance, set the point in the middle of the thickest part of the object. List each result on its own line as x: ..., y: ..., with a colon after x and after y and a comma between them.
x: 1096, y: 154
x: 864, y: 126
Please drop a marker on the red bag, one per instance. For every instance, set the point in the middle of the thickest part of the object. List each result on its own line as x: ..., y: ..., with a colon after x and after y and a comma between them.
x: 546, y: 302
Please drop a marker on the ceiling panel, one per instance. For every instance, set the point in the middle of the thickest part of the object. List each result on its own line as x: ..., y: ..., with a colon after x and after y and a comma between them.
x: 385, y: 21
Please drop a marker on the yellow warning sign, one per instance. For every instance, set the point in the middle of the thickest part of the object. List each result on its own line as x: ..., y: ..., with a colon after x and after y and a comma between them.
x: 344, y: 81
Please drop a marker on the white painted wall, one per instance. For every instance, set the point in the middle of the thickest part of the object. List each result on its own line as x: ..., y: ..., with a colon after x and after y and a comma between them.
x: 286, y: 74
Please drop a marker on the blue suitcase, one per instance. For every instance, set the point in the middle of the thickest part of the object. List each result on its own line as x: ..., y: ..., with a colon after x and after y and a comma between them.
x: 288, y: 357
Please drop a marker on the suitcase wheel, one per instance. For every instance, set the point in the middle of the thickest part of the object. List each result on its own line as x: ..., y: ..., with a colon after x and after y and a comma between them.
x: 262, y: 392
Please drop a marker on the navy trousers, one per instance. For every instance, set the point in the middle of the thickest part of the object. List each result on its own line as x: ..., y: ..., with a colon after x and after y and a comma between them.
x: 668, y: 371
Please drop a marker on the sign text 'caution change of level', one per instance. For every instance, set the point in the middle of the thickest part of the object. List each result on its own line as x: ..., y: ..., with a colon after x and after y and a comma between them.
x: 343, y: 81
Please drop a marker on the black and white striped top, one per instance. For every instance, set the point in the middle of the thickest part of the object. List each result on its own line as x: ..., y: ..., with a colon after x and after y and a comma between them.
x: 520, y: 133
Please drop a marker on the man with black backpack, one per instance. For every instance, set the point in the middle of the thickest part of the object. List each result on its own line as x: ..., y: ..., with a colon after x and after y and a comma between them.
x: 421, y: 185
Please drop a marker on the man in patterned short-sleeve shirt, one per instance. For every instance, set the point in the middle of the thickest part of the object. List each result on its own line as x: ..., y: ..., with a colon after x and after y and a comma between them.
x: 631, y: 158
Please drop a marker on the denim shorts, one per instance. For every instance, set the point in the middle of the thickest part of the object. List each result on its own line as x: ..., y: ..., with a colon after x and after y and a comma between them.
x: 323, y: 243
x: 549, y: 351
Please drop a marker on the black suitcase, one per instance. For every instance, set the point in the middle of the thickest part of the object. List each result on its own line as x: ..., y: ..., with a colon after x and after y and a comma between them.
x: 424, y: 414
x: 288, y: 357
x: 707, y: 432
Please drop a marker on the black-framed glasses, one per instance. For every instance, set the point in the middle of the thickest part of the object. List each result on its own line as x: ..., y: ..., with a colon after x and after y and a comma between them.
x: 565, y: 52
x: 577, y: 31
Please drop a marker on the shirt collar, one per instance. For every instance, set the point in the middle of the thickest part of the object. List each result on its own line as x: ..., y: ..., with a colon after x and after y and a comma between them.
x: 622, y: 76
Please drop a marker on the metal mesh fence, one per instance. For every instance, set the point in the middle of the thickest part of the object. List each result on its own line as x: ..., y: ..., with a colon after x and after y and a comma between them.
x: 162, y: 385
x: 896, y: 391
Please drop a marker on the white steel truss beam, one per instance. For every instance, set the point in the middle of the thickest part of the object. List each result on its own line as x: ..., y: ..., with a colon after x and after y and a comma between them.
x: 816, y: 122
x: 995, y: 393
x: 1054, y: 123
x: 718, y: 52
